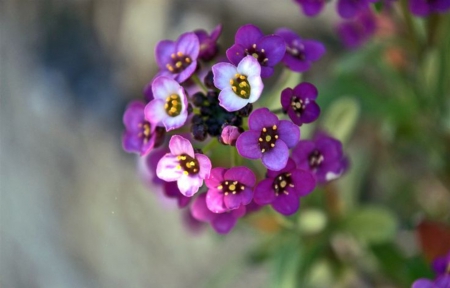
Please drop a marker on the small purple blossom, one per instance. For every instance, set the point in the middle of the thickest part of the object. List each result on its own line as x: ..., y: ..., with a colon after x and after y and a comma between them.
x: 229, y: 135
x: 208, y: 43
x: 228, y: 189
x: 441, y: 265
x: 440, y: 282
x: 189, y: 169
x: 299, y: 53
x: 350, y: 8
x: 222, y: 223
x: 169, y: 105
x: 178, y: 59
x: 268, y: 139
x: 299, y: 103
x: 311, y: 7
x: 283, y: 189
x: 424, y: 8
x: 240, y: 85
x: 249, y: 40
x: 139, y: 136
x: 358, y: 31
x: 322, y: 156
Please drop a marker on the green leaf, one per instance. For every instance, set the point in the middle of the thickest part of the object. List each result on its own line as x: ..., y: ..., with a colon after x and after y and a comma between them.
x: 341, y: 117
x: 285, y: 265
x: 371, y: 224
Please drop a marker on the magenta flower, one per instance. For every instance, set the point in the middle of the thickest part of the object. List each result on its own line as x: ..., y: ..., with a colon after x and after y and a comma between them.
x: 228, y: 189
x: 249, y: 40
x: 222, y: 223
x: 139, y: 136
x: 268, y: 138
x: 208, y: 43
x: 229, y: 135
x: 189, y: 169
x: 350, y: 8
x: 322, y: 156
x: 299, y: 103
x: 441, y: 265
x: 169, y: 105
x: 240, y: 85
x: 299, y: 53
x: 283, y: 189
x: 440, y: 282
x: 178, y: 59
x: 358, y: 31
x: 424, y: 8
x: 311, y: 7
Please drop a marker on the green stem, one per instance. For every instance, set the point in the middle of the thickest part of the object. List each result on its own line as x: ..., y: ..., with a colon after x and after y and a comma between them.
x: 197, y: 81
x: 410, y: 25
x: 210, y: 145
x: 233, y: 157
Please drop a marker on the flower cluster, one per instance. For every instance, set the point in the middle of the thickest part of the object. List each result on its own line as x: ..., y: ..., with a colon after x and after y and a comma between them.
x: 195, y: 101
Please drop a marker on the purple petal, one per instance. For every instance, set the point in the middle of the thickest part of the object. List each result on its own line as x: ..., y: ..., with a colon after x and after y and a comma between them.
x: 200, y: 211
x: 314, y: 50
x: 235, y: 53
x: 242, y: 174
x: 187, y: 72
x: 419, y: 7
x: 230, y: 101
x: 330, y: 148
x: 188, y: 44
x: 288, y: 133
x: 306, y: 90
x: 215, y: 33
x: 216, y: 177
x: 296, y: 64
x: 261, y: 118
x: 304, y: 182
x: 189, y: 185
x: 311, y: 113
x: 266, y: 71
x: 223, y: 73
x: 290, y: 166
x: 167, y: 168
x: 248, y: 35
x: 148, y: 93
x: 240, y: 212
x: 234, y: 201
x: 286, y: 204
x: 179, y: 145
x: 247, y: 145
x: 163, y: 51
x: 131, y: 142
x: 274, y: 47
x: 288, y: 35
x: 301, y: 152
x: 443, y: 281
x: 264, y: 193
x: 276, y: 158
x: 214, y: 201
x: 133, y: 116
x: 249, y: 66
x: 423, y: 283
x: 348, y: 8
x: 205, y: 165
x: 223, y: 223
x: 312, y: 7
x: 286, y: 96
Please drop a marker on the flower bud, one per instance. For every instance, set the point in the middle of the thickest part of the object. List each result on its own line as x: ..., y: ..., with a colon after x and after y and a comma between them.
x: 229, y: 135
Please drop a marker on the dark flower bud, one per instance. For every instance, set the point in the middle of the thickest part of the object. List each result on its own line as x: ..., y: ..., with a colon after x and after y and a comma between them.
x: 244, y: 112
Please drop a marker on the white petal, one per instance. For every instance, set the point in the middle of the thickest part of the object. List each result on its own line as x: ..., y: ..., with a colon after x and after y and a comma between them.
x: 163, y: 87
x: 154, y: 111
x: 256, y: 88
x: 230, y: 101
x: 223, y: 73
x: 249, y: 66
x: 189, y: 185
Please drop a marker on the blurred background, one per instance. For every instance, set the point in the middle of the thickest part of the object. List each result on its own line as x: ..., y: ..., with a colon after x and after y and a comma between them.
x: 74, y: 212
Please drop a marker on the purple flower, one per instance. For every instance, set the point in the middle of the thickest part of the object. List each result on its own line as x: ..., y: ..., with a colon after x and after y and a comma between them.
x: 283, y: 189
x: 299, y: 53
x: 358, y: 31
x: 169, y: 105
x: 441, y: 265
x: 228, y: 189
x: 208, y: 43
x: 240, y: 85
x: 268, y: 138
x: 322, y: 156
x: 222, y: 222
x: 440, y: 282
x: 350, y: 8
x: 229, y: 135
x: 148, y: 93
x: 139, y: 136
x: 178, y: 60
x: 189, y: 169
x: 311, y: 7
x: 426, y: 7
x: 249, y: 40
x: 299, y: 103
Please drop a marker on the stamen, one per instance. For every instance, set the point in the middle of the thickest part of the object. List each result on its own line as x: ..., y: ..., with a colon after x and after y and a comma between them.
x: 173, y: 56
x: 254, y: 46
x: 178, y: 64
x: 186, y: 173
x: 264, y: 129
x: 274, y: 127
x: 286, y: 192
x: 231, y: 82
x: 234, y: 88
x: 179, y: 54
x: 187, y: 60
x: 220, y: 187
x: 243, y: 77
x: 272, y: 145
x: 260, y: 140
x: 276, y: 136
x: 268, y: 138
x: 243, y: 93
x: 263, y: 150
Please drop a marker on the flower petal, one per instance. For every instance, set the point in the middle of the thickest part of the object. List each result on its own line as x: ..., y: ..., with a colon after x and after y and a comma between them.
x: 155, y: 112
x: 247, y: 145
x: 304, y: 182
x: 311, y: 113
x: 305, y: 90
x: 163, y: 50
x: 314, y: 50
x: 223, y: 73
x: 187, y: 72
x: 274, y: 47
x: 167, y: 168
x: 248, y: 35
x: 235, y: 53
x: 214, y: 201
x: 230, y: 101
x: 261, y: 118
x: 188, y: 44
x: 286, y: 96
x: 215, y: 178
x: 257, y: 87
x: 286, y: 204
x: 288, y: 133
x: 200, y: 211
x: 133, y: 116
x: 205, y: 165
x: 223, y: 223
x: 264, y: 193
x: 163, y: 87
x: 242, y: 174
x: 249, y: 66
x: 189, y: 185
x: 276, y: 158
x: 179, y: 145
